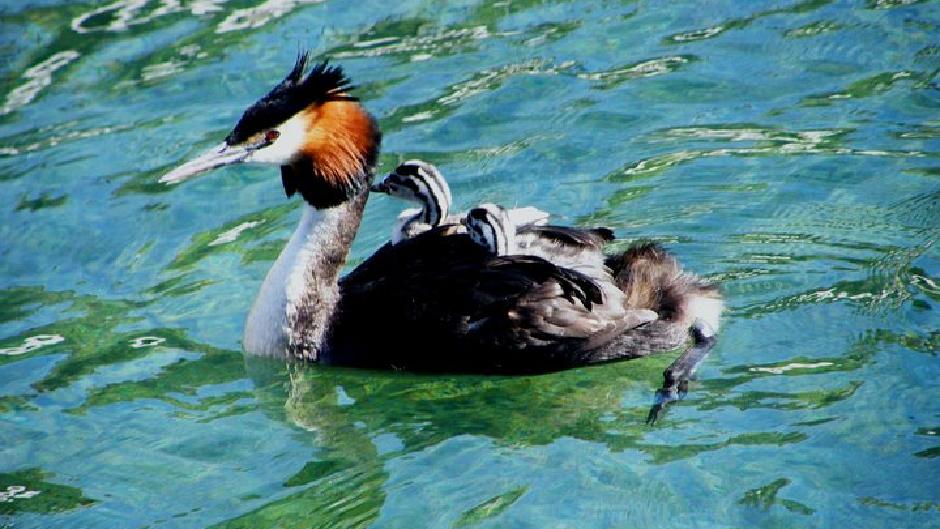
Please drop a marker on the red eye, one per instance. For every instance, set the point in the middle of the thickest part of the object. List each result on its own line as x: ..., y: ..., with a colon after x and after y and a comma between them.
x: 271, y: 135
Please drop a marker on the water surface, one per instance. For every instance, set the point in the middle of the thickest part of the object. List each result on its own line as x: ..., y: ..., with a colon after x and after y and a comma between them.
x: 788, y: 149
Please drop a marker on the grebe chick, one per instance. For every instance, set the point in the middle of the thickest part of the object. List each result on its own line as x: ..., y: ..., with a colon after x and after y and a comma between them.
x: 421, y: 182
x: 581, y: 249
x: 489, y: 226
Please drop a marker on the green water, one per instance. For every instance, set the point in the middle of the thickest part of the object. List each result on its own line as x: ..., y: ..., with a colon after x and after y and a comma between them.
x: 788, y: 149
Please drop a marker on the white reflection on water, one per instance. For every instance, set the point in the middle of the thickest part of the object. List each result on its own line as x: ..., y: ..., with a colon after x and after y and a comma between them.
x: 16, y: 492
x: 779, y: 370
x: 421, y: 46
x: 147, y: 341
x: 161, y: 69
x: 125, y: 15
x: 232, y: 234
x: 32, y: 343
x: 40, y: 76
x: 648, y: 68
x: 173, y: 66
x: 254, y: 17
x: 201, y: 7
x: 55, y: 139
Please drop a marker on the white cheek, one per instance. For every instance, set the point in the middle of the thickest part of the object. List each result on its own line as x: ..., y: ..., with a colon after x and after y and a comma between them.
x: 287, y: 146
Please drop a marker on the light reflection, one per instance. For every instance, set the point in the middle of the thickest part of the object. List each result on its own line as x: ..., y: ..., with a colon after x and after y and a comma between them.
x: 232, y: 234
x: 779, y: 370
x: 55, y: 139
x: 700, y: 34
x: 32, y: 343
x: 162, y: 69
x: 173, y: 66
x: 648, y: 68
x: 17, y: 492
x: 147, y: 341
x: 486, y: 80
x: 255, y: 17
x: 40, y: 76
x: 202, y: 7
x: 423, y: 46
x: 657, y: 164
x: 125, y: 15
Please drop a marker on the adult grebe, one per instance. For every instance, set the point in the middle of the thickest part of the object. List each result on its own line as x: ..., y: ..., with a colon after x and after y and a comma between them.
x: 420, y: 182
x: 429, y: 302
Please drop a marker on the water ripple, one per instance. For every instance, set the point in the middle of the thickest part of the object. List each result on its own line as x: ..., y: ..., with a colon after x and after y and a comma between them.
x: 418, y: 48
x: 740, y: 23
x: 873, y: 85
x: 32, y: 343
x: 810, y: 142
x: 121, y: 15
x: 255, y: 17
x: 786, y: 148
x: 647, y: 68
x: 812, y: 29
x: 457, y: 93
x: 39, y: 77
x: 57, y: 135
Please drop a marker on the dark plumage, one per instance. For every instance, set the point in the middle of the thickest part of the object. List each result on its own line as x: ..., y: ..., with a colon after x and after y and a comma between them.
x: 290, y: 96
x: 487, y: 314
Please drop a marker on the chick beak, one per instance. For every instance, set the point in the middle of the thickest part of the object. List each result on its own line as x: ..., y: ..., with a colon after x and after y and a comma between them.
x: 381, y: 187
x: 218, y: 156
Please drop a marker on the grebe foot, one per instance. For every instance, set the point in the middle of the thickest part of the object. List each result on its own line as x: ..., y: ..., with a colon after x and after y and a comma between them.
x: 676, y: 377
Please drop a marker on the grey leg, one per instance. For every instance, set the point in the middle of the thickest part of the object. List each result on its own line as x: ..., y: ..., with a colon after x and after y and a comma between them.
x: 676, y: 376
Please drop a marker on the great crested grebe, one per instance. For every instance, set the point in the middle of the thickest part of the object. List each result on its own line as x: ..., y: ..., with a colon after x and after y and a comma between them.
x: 430, y: 302
x: 420, y: 182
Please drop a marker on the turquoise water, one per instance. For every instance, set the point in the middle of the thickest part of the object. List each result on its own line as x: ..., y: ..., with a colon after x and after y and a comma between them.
x: 788, y: 149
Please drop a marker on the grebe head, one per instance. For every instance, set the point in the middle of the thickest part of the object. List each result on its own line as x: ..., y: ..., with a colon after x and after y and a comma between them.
x: 489, y: 226
x: 421, y: 182
x: 323, y: 139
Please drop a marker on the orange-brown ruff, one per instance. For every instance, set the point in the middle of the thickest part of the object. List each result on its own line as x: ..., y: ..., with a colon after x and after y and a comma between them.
x: 337, y: 155
x: 341, y: 134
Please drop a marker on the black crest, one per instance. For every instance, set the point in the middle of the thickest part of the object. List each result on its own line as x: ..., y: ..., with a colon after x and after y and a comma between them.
x: 290, y: 96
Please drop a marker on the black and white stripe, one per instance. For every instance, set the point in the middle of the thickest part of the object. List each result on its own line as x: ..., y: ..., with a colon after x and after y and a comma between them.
x: 420, y: 182
x: 489, y: 226
x: 428, y: 186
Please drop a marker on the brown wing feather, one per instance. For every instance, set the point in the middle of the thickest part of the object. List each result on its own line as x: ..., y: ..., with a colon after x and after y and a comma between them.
x: 442, y: 303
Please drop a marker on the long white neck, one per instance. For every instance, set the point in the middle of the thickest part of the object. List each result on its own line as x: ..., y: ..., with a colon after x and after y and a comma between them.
x: 292, y: 314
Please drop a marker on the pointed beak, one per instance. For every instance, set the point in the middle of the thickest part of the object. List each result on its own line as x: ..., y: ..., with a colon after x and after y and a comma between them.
x: 379, y: 188
x: 218, y: 156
